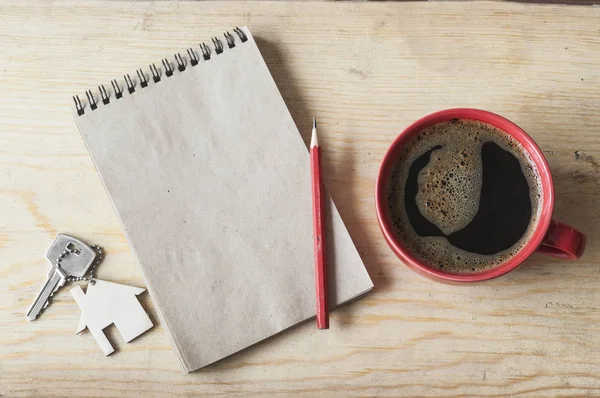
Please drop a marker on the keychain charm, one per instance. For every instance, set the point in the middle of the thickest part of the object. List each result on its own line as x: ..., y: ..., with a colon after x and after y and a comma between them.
x: 106, y: 303
x: 103, y: 304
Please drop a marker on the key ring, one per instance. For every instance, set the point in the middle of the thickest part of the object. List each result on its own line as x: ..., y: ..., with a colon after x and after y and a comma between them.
x: 92, y: 270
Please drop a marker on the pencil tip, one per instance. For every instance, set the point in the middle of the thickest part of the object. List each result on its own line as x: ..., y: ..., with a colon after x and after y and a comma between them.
x: 314, y: 122
x: 314, y: 141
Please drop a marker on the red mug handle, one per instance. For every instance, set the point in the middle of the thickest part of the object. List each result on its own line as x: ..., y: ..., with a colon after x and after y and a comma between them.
x: 563, y: 241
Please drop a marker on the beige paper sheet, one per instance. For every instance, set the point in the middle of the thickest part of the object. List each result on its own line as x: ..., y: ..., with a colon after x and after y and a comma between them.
x: 210, y: 180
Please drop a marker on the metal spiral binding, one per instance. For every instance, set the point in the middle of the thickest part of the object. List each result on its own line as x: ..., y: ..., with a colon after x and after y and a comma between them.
x: 91, y: 100
x: 181, y: 62
x: 118, y: 92
x: 193, y: 57
x: 142, y: 77
x: 104, y: 95
x: 167, y: 66
x: 205, y: 51
x: 129, y: 82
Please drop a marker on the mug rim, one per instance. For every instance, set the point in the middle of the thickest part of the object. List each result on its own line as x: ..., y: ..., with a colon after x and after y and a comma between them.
x: 546, y: 208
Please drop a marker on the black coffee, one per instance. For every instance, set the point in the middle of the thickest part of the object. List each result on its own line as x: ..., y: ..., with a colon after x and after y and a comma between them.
x: 464, y: 196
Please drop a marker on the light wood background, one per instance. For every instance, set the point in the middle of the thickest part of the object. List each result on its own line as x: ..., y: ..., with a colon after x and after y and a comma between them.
x: 366, y: 70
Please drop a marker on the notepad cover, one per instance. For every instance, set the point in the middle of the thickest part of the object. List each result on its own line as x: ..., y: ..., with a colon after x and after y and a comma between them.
x: 210, y: 180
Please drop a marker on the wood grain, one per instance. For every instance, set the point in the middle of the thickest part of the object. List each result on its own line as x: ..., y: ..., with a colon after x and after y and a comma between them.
x: 366, y: 70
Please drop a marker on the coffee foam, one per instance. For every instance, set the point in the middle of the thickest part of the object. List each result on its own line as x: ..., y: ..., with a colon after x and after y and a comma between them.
x: 449, y: 191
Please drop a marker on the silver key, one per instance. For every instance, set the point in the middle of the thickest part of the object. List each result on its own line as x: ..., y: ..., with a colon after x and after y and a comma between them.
x: 70, y: 257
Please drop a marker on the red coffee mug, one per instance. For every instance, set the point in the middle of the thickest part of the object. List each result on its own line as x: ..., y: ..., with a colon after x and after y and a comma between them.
x: 550, y: 237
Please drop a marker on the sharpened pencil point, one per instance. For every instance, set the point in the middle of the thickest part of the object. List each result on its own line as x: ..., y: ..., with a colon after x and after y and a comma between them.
x: 314, y: 140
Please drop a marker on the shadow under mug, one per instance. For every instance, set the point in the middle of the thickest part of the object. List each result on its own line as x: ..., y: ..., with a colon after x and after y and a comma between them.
x: 549, y: 237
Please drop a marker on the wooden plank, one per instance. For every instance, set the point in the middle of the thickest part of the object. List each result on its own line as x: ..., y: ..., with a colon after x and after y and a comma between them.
x: 366, y: 70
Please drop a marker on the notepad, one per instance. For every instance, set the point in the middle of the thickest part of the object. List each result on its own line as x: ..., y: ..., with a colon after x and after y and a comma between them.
x: 210, y: 181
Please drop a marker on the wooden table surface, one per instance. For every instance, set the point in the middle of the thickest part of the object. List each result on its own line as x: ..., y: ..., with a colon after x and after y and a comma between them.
x: 366, y: 70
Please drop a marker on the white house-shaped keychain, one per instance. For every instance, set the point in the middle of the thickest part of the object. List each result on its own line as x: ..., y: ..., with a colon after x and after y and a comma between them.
x: 106, y: 303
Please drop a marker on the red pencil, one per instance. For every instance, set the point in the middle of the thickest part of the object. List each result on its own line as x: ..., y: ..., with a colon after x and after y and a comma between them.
x: 319, y: 230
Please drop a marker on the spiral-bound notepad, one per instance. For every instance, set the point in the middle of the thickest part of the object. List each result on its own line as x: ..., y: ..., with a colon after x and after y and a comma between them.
x: 210, y: 180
